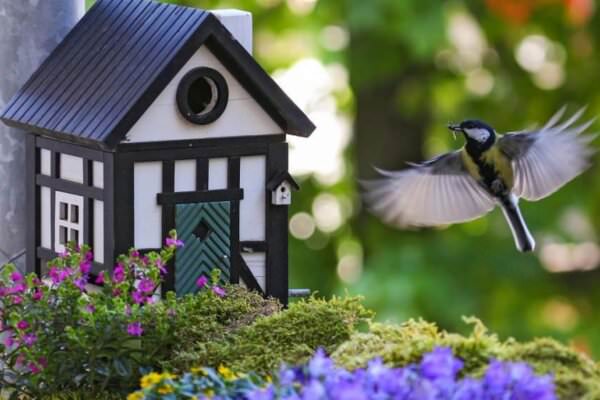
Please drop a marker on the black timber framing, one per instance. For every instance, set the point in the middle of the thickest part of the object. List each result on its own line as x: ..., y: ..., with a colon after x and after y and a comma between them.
x: 53, y: 182
x: 277, y: 229
x: 108, y: 160
x: 32, y: 232
x: 168, y: 219
x: 199, y: 196
x: 233, y: 183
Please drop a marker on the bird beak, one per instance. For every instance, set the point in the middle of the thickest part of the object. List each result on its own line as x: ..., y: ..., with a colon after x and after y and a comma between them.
x: 454, y: 128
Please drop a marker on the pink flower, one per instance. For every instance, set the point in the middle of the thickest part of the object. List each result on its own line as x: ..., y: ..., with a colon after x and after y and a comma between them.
x: 29, y: 339
x: 85, y: 267
x: 59, y: 275
x: 135, y: 254
x: 173, y: 242
x: 4, y: 291
x: 135, y: 329
x: 219, y: 291
x: 22, y: 325
x: 138, y: 297
x: 17, y: 300
x: 36, y: 368
x: 100, y: 279
x: 145, y: 260
x: 202, y: 281
x: 16, y: 276
x: 18, y: 288
x: 146, y: 285
x: 118, y: 274
x: 37, y: 295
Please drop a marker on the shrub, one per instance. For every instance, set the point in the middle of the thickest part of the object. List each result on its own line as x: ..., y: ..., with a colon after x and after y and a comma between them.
x: 58, y: 336
x: 290, y: 336
x: 576, y: 376
x: 436, y: 376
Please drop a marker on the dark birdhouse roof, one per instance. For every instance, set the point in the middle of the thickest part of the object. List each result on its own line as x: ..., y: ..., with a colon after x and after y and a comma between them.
x: 279, y: 178
x: 118, y: 58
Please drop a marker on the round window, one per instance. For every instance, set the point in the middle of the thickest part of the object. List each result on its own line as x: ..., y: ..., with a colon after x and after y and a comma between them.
x: 202, y: 95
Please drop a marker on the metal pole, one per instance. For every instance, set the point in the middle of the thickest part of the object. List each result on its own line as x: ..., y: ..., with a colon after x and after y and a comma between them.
x: 29, y: 30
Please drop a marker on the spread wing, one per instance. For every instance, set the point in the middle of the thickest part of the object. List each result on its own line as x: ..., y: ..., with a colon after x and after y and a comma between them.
x: 546, y: 159
x: 436, y: 192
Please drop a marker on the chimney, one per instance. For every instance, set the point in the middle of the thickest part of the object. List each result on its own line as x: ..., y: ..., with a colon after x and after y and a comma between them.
x: 239, y: 23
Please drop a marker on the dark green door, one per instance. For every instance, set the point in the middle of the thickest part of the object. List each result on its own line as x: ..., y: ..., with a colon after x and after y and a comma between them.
x: 205, y: 231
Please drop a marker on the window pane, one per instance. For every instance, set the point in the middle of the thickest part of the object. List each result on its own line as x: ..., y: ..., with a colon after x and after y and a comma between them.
x: 62, y: 235
x: 64, y: 211
x: 74, y: 237
x: 74, y: 213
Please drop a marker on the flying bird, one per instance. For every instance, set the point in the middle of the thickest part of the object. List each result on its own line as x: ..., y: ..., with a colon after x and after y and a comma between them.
x: 489, y: 170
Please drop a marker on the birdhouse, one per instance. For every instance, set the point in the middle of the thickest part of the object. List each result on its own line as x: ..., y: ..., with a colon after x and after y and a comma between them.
x: 150, y: 117
x: 281, y: 186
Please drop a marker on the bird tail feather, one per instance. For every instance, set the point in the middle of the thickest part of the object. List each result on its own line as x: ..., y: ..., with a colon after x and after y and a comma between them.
x: 523, y: 239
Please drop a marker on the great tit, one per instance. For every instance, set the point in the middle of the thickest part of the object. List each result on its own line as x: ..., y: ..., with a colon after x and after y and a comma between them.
x: 489, y: 170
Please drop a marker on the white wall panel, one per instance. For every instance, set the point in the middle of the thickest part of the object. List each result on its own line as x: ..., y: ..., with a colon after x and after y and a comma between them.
x: 252, y: 207
x: 257, y: 264
x: 185, y: 175
x: 45, y: 162
x: 71, y: 168
x: 45, y: 218
x: 98, y: 174
x: 243, y: 115
x: 147, y: 213
x: 98, y: 245
x: 217, y: 173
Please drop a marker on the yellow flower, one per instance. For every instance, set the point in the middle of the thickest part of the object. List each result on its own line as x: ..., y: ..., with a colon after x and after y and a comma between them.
x: 165, y: 389
x: 209, y: 392
x: 136, y: 396
x: 198, y: 371
x: 150, y: 379
x: 167, y: 375
x: 268, y: 379
x: 226, y: 372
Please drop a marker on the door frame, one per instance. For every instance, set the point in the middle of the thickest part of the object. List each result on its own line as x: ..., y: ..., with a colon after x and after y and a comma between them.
x: 168, y: 201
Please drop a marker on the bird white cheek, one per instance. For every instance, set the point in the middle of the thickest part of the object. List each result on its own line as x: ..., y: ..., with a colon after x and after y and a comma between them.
x: 481, y: 135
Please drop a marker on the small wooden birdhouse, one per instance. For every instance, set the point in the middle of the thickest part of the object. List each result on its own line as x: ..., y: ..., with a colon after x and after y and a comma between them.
x: 150, y: 117
x: 281, y: 186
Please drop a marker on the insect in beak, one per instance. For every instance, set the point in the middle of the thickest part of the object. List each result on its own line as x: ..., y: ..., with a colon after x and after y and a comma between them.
x: 454, y: 128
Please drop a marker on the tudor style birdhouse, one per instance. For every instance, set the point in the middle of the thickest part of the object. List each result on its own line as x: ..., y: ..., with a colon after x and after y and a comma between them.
x: 149, y: 117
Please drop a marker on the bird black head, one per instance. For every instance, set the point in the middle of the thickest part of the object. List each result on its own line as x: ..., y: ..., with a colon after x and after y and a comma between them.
x: 474, y: 130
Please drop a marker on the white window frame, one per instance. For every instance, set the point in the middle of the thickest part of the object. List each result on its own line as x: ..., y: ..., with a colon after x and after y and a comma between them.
x: 72, y: 224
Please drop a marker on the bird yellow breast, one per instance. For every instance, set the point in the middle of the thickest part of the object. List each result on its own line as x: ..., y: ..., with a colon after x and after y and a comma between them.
x: 494, y: 158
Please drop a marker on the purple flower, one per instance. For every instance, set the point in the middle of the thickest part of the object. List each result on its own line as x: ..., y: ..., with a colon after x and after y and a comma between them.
x: 58, y: 275
x: 18, y: 288
x: 146, y: 285
x: 80, y: 283
x: 85, y: 267
x: 100, y: 278
x: 138, y: 297
x: 29, y: 339
x: 118, y: 274
x: 440, y: 364
x: 37, y: 295
x: 173, y: 242
x: 320, y: 364
x: 37, y: 367
x: 135, y: 254
x: 202, y: 281
x: 9, y: 339
x: 135, y: 329
x: 17, y: 300
x: 90, y: 308
x: 89, y: 256
x: 161, y: 266
x: 16, y: 276
x: 22, y: 325
x: 219, y: 291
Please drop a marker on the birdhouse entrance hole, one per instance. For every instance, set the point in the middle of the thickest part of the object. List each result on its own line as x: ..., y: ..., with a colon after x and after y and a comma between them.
x: 202, y: 95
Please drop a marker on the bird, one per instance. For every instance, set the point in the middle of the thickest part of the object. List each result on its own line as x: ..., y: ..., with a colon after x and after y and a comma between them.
x: 490, y: 170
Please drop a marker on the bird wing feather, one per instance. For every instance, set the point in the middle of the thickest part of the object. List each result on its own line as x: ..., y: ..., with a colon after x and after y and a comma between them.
x: 436, y: 192
x: 546, y: 159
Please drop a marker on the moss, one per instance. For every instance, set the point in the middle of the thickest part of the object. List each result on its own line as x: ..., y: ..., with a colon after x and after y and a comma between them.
x: 289, y: 336
x: 576, y: 376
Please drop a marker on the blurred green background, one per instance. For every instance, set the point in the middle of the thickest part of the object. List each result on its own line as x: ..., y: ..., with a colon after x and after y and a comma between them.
x: 381, y: 79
